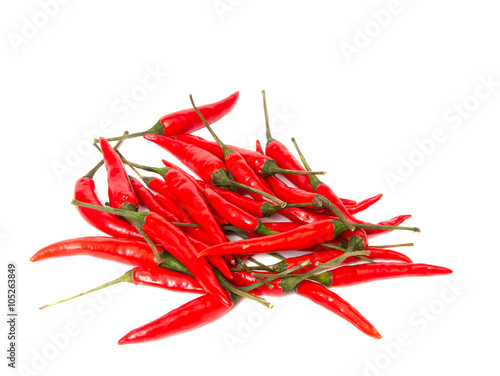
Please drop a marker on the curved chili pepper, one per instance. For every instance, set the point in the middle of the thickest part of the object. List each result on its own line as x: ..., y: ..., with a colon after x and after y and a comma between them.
x: 296, y: 196
x: 120, y: 191
x: 352, y: 274
x: 303, y: 237
x: 187, y: 195
x: 207, y: 166
x: 324, y: 255
x: 187, y: 121
x: 166, y: 279
x: 176, y: 242
x: 155, y: 204
x: 234, y: 215
x: 328, y: 299
x: 108, y: 223
x: 193, y: 314
x: 258, y: 147
x: 396, y: 221
x: 218, y: 218
x: 259, y: 162
x: 126, y: 251
x: 259, y: 209
x: 352, y: 209
x: 150, y: 201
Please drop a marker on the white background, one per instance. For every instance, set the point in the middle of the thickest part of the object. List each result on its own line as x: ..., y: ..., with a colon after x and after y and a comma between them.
x: 356, y: 115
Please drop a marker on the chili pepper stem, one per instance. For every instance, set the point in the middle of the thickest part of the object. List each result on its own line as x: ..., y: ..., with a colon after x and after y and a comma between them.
x: 245, y: 267
x: 135, y: 218
x: 266, y: 115
x: 384, y: 227
x: 270, y: 168
x: 155, y: 129
x: 324, y: 202
x: 393, y: 245
x: 127, y: 277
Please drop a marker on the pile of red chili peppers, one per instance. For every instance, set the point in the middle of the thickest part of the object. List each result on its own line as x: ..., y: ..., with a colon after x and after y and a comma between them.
x: 174, y: 228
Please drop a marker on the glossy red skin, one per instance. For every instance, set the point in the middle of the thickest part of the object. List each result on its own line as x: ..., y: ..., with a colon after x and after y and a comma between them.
x: 120, y: 189
x: 126, y: 251
x: 188, y: 197
x: 108, y: 223
x: 328, y: 193
x: 244, y: 174
x: 219, y: 220
x: 303, y: 237
x: 166, y: 279
x: 201, y: 162
x: 217, y: 261
x: 362, y: 273
x: 289, y: 194
x: 363, y: 205
x: 196, y: 313
x: 187, y: 121
x: 326, y: 298
x: 184, y: 217
x: 249, y: 205
x: 231, y: 213
x: 178, y: 244
x: 149, y: 200
x: 181, y: 216
x: 258, y: 147
x: 325, y: 254
x: 352, y: 209
x: 302, y: 216
x: 285, y: 159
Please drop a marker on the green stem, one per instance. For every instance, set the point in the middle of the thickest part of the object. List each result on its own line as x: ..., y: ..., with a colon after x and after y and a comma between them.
x: 245, y: 267
x: 155, y: 129
x: 324, y: 202
x: 266, y: 115
x: 384, y: 227
x: 120, y: 212
x: 137, y: 225
x: 127, y: 277
x: 279, y: 202
x: 226, y: 150
x: 315, y: 182
x: 393, y: 245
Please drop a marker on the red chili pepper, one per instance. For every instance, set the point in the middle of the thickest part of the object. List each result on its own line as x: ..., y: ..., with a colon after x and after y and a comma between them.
x: 396, y: 221
x: 108, y: 223
x: 196, y: 313
x: 120, y: 191
x: 296, y: 196
x: 176, y: 242
x: 259, y: 162
x: 258, y: 147
x: 352, y: 209
x: 204, y: 164
x: 126, y: 251
x: 303, y: 237
x: 361, y: 273
x: 323, y: 255
x: 187, y: 121
x: 151, y: 202
x: 257, y: 208
x: 328, y: 299
x: 201, y: 192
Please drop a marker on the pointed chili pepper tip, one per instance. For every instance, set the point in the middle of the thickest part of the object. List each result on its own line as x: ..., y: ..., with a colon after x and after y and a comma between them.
x: 375, y: 334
